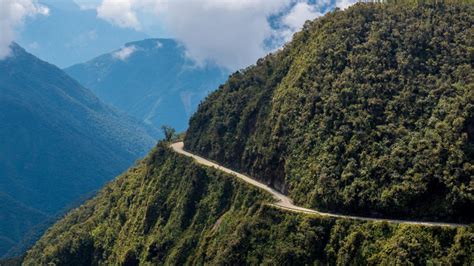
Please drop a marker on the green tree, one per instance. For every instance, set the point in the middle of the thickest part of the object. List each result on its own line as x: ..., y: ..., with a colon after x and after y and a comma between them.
x: 169, y: 132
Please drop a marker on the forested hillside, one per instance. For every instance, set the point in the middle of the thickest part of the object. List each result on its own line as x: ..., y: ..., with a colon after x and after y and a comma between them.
x: 368, y: 110
x: 168, y: 210
x: 58, y: 144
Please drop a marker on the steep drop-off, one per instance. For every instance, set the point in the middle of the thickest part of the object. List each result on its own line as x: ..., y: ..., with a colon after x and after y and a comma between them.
x: 58, y: 142
x: 170, y: 211
x: 367, y: 111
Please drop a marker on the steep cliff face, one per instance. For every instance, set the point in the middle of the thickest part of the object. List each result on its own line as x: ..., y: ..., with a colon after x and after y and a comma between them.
x: 367, y: 111
x: 169, y: 211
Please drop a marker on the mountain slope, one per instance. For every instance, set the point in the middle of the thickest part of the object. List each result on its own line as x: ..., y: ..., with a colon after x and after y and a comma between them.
x: 18, y: 218
x: 151, y: 80
x: 169, y: 210
x: 57, y: 140
x: 367, y: 111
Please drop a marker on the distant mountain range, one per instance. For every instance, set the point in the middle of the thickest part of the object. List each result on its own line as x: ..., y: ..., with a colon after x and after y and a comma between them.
x: 58, y: 142
x: 152, y: 80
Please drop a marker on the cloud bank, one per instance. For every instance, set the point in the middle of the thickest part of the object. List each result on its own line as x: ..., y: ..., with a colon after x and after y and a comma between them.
x: 294, y: 20
x: 12, y: 15
x: 119, y: 12
x: 231, y: 33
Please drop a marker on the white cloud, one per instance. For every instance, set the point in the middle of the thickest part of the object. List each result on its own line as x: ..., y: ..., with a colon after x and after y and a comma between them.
x: 343, y: 4
x: 125, y: 52
x: 228, y: 32
x: 299, y: 14
x: 295, y: 19
x: 231, y: 33
x: 119, y: 12
x: 12, y: 15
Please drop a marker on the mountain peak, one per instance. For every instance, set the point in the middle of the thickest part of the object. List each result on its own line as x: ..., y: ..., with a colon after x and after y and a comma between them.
x: 151, y: 79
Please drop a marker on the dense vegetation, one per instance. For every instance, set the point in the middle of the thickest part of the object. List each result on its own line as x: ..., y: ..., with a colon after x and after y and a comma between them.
x: 157, y: 210
x: 368, y: 110
x: 168, y: 210
x: 157, y: 83
x: 58, y: 142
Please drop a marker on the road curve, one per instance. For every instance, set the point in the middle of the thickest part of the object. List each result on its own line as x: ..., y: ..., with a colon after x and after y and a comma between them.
x: 285, y: 203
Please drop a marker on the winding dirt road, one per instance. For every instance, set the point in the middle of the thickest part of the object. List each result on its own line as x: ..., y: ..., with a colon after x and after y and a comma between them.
x: 283, y: 202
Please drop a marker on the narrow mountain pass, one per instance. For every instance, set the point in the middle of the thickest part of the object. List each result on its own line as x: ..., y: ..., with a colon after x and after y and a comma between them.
x: 285, y: 203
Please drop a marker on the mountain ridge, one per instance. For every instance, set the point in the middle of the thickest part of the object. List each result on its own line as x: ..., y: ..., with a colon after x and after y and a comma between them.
x: 57, y: 140
x: 152, y: 80
x: 366, y: 111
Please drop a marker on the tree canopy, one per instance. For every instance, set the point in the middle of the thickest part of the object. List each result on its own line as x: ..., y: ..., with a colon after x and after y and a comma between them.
x: 369, y: 110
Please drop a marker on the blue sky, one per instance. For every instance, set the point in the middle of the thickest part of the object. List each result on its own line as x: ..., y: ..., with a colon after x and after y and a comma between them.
x: 231, y: 33
x: 69, y: 35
